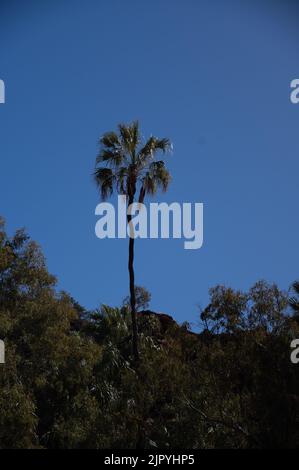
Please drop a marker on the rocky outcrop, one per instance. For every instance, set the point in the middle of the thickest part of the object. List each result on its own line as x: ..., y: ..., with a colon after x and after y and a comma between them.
x: 166, y: 321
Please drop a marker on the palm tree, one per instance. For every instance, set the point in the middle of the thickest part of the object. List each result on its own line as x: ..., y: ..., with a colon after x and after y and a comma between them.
x: 129, y: 166
x: 294, y: 301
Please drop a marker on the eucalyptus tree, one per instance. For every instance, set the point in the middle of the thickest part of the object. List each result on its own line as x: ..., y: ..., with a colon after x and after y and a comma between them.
x: 128, y: 165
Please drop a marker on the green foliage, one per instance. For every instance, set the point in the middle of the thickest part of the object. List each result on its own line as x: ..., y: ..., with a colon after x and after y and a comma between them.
x: 142, y: 297
x: 264, y: 306
x: 127, y: 165
x: 70, y: 382
x: 48, y: 366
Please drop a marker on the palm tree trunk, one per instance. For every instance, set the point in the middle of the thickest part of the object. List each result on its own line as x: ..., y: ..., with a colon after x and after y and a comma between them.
x: 133, y: 300
x: 132, y: 290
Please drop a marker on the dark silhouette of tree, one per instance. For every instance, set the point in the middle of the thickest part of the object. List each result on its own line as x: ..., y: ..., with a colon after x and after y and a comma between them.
x: 129, y: 166
x: 294, y: 300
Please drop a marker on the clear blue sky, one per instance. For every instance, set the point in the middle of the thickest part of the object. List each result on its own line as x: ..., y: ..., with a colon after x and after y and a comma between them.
x: 214, y: 77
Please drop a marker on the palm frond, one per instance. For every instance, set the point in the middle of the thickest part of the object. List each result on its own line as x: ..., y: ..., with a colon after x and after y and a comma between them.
x: 160, y: 173
x: 111, y: 151
x: 135, y: 133
x: 110, y: 140
x: 121, y: 179
x: 129, y: 137
x: 295, y: 287
x: 122, y: 164
x: 151, y: 147
x: 104, y: 178
x: 149, y: 184
x: 113, y: 158
x: 294, y: 301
